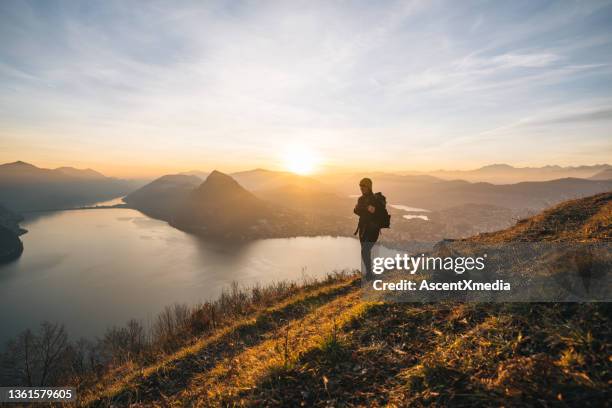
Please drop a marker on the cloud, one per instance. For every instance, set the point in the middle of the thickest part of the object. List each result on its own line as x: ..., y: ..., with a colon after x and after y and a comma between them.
x: 362, y: 77
x: 592, y: 116
x: 509, y: 61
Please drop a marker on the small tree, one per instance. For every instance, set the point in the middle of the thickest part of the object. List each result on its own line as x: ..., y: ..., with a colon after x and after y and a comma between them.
x: 35, y: 359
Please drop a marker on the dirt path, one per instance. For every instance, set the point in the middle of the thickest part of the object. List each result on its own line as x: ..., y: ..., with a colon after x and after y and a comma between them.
x: 235, y: 374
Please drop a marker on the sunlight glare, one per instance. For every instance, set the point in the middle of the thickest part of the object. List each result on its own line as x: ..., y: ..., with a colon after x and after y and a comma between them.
x: 300, y: 160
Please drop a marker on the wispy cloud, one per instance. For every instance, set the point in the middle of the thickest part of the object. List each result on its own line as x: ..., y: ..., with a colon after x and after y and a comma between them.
x: 581, y: 117
x: 206, y: 84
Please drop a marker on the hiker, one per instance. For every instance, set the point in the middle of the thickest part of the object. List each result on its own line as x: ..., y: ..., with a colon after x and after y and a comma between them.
x: 373, y: 215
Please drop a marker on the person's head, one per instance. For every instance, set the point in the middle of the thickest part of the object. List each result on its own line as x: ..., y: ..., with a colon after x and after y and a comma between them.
x: 365, y: 185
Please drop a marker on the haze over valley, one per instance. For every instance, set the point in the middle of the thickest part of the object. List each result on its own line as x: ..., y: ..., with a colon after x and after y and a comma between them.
x: 261, y: 203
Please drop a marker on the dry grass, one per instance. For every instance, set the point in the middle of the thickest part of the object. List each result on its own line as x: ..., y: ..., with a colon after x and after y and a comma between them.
x: 230, y: 381
x: 455, y: 354
x: 584, y: 220
x: 344, y: 352
x: 327, y: 347
x: 172, y: 371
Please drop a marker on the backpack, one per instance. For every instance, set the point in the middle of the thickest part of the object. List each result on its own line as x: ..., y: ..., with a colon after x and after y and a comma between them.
x: 381, y: 215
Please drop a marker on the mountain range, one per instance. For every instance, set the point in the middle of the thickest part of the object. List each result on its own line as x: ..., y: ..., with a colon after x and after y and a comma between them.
x: 506, y: 174
x: 264, y: 203
x: 25, y: 187
x: 605, y: 174
x: 220, y: 207
x: 436, y: 194
x: 285, y: 204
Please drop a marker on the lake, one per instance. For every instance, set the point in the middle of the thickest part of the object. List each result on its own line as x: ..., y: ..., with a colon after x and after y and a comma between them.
x: 408, y: 208
x: 91, y: 269
x: 412, y: 216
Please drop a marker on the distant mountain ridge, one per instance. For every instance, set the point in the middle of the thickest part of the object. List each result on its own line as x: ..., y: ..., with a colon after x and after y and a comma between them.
x: 602, y: 175
x: 506, y: 174
x: 201, y: 174
x: 25, y: 187
x: 437, y: 194
x: 80, y: 173
x: 27, y: 171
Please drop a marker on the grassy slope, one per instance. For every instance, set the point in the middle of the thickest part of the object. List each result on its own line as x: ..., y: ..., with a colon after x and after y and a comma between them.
x: 583, y: 220
x: 327, y: 347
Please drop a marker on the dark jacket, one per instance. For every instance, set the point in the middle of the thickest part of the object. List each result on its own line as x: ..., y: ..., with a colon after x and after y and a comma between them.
x: 366, y: 218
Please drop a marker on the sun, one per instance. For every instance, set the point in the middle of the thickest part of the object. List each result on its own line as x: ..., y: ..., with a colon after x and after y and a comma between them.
x: 300, y: 160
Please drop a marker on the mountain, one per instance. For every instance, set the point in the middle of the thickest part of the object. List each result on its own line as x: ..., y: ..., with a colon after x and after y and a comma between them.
x: 437, y: 194
x: 200, y: 174
x: 25, y: 187
x: 297, y: 205
x: 602, y: 175
x: 348, y: 184
x: 223, y: 208
x: 78, y: 173
x: 163, y: 197
x: 506, y: 174
x: 220, y: 207
x: 323, y: 344
x: 531, y: 195
x: 28, y: 172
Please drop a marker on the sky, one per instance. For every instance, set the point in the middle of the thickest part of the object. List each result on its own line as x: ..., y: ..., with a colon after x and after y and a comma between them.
x: 134, y: 88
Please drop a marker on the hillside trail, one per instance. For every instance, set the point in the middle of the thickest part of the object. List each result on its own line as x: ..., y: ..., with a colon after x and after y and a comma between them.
x: 347, y: 350
x: 177, y: 371
x: 234, y: 374
x: 228, y: 369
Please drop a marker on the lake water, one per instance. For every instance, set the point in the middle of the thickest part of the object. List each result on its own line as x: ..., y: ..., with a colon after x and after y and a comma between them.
x: 412, y: 216
x: 408, y: 208
x: 91, y: 269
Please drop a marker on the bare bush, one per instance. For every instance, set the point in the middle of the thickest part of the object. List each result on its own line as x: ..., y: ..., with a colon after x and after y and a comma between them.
x: 47, y: 357
x: 122, y: 344
x: 35, y: 359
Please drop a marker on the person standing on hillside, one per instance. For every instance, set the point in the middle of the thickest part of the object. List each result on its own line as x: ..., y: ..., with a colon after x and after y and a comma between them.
x: 373, y: 215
